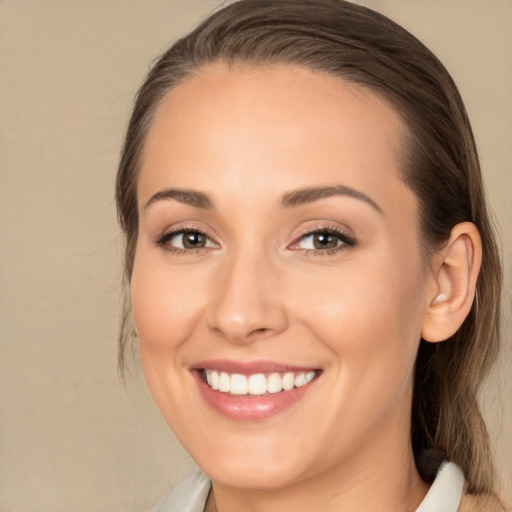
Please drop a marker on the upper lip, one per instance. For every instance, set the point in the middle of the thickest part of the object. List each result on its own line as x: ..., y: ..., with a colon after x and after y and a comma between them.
x: 249, y: 368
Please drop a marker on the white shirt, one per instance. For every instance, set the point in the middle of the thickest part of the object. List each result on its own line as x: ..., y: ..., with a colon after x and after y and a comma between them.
x: 191, y: 495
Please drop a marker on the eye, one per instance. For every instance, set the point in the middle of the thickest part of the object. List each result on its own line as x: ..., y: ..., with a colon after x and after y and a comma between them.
x: 320, y: 241
x: 325, y: 240
x: 185, y: 240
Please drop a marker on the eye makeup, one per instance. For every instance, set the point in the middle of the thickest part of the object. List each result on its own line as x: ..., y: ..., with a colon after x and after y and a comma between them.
x: 323, y: 240
x: 317, y: 240
x: 185, y: 240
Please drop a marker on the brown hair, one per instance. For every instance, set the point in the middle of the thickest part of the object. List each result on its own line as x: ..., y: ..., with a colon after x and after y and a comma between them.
x: 439, y: 163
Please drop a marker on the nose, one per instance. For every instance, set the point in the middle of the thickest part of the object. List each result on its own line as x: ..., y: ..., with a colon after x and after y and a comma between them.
x: 247, y: 303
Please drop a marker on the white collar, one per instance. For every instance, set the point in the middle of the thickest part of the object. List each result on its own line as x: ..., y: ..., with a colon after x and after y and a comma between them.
x: 446, y: 491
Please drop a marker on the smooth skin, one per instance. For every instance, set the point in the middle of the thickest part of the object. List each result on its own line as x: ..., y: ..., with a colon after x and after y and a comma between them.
x: 335, y: 281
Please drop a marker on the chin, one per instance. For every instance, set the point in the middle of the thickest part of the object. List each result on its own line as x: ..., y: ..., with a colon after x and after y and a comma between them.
x: 252, y: 466
x: 266, y: 476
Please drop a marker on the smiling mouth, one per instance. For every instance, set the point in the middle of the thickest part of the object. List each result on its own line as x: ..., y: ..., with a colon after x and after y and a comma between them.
x: 256, y: 384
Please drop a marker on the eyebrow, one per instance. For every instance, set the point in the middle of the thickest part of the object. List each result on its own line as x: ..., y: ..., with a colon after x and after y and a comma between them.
x: 290, y: 199
x: 190, y: 197
x: 311, y: 194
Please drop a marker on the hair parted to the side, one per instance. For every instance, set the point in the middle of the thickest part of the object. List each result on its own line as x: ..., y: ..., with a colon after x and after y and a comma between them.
x: 439, y: 163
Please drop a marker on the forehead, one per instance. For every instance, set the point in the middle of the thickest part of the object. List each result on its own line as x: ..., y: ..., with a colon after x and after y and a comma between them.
x: 217, y: 90
x: 295, y: 125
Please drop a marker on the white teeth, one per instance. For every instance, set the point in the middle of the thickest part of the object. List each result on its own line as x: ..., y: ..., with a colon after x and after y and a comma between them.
x: 258, y: 383
x: 224, y: 383
x: 214, y: 378
x: 288, y: 381
x: 309, y: 377
x: 239, y: 384
x: 300, y: 379
x: 274, y: 383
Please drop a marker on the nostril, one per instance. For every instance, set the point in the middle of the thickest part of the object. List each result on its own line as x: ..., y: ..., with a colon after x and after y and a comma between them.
x: 261, y: 330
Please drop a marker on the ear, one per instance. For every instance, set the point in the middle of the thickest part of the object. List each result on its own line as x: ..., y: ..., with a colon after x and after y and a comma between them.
x: 455, y: 271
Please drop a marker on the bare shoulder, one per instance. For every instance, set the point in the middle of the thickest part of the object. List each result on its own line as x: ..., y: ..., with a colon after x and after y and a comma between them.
x: 471, y: 503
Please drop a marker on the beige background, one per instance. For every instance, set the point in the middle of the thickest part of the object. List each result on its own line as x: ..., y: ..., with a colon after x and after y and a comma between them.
x: 72, y: 438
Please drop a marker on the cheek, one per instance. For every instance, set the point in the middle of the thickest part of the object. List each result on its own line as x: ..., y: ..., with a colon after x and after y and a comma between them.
x: 367, y: 298
x: 165, y: 305
x: 371, y: 322
x: 165, y: 310
x: 370, y: 318
x: 387, y: 344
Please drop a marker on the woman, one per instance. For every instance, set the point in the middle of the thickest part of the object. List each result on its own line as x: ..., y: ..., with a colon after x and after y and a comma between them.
x: 314, y: 277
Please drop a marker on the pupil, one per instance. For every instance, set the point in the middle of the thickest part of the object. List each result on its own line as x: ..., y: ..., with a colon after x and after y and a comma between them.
x: 325, y: 241
x: 193, y: 240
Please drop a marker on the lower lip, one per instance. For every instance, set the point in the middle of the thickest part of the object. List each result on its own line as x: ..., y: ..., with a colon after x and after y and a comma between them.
x: 247, y: 407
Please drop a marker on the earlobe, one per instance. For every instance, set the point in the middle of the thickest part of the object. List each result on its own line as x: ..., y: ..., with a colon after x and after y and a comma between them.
x: 454, y: 276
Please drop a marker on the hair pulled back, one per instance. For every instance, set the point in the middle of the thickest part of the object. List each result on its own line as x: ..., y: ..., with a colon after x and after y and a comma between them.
x: 439, y: 163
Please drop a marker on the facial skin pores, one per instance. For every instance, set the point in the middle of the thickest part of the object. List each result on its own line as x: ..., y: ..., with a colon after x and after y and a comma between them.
x: 278, y: 287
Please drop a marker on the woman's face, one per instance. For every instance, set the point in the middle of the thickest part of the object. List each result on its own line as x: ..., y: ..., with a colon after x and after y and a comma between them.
x: 278, y: 247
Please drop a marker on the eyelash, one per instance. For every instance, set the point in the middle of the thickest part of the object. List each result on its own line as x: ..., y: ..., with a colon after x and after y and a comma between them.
x: 345, y: 240
x: 163, y: 240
